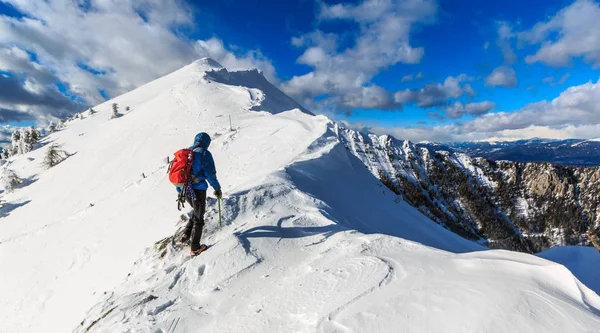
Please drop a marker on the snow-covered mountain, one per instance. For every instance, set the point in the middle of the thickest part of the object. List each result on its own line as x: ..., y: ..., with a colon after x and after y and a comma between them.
x: 526, y: 207
x: 575, y: 152
x: 311, y: 241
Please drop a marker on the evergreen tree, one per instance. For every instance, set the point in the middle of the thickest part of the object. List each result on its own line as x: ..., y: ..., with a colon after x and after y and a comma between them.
x: 35, y: 134
x: 26, y: 143
x: 10, y: 180
x: 127, y: 108
x: 15, y: 139
x: 92, y: 111
x: 51, y: 128
x: 54, y: 155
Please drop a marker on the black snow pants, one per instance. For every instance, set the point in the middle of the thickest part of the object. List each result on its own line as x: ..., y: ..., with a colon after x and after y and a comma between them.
x: 195, y: 224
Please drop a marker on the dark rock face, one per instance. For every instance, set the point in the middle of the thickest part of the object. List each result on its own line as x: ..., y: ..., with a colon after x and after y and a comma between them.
x: 519, y: 206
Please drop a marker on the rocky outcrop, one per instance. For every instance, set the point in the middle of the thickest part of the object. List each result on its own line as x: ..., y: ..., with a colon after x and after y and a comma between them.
x: 519, y: 206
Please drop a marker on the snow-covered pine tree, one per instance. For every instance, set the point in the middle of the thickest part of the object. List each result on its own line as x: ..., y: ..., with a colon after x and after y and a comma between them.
x: 10, y: 180
x: 15, y: 139
x: 115, y: 114
x: 35, y: 134
x: 92, y: 111
x: 25, y: 144
x: 127, y: 108
x: 54, y: 155
x: 51, y: 128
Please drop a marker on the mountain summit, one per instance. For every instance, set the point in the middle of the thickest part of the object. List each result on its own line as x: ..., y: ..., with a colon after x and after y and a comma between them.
x: 311, y: 240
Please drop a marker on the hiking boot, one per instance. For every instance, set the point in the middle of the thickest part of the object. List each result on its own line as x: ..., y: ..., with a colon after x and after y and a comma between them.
x: 201, y: 249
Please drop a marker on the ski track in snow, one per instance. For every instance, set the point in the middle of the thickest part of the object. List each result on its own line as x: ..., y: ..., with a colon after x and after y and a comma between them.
x: 311, y: 241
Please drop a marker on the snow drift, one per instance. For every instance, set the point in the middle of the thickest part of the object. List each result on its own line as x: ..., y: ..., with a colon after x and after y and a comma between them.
x: 311, y: 241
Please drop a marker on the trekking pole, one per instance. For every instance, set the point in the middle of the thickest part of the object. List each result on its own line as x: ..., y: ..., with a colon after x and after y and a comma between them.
x: 220, y: 221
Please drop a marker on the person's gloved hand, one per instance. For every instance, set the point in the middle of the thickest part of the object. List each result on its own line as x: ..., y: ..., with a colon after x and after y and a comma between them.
x: 218, y: 194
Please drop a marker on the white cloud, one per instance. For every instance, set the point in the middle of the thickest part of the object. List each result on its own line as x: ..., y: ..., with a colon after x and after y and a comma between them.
x: 475, y: 109
x: 407, y: 78
x: 550, y: 80
x: 505, y: 35
x: 326, y: 41
x: 469, y: 90
x: 563, y: 78
x: 130, y: 42
x: 502, y: 76
x: 505, y: 75
x: 573, y: 32
x: 383, y: 41
x: 410, y: 77
x: 436, y: 94
x: 215, y: 49
x: 573, y: 114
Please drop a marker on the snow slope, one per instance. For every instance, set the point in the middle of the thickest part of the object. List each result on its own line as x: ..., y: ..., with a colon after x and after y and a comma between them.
x: 311, y: 241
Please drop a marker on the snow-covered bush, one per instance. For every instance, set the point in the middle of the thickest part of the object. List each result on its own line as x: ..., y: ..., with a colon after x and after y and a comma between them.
x: 115, y: 114
x: 10, y: 180
x: 54, y: 155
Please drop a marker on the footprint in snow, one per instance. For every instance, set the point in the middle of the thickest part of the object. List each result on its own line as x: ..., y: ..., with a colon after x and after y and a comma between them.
x: 176, y: 278
x: 201, y: 270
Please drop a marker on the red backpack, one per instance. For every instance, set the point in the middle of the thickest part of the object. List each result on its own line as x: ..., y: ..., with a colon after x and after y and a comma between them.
x: 180, y: 170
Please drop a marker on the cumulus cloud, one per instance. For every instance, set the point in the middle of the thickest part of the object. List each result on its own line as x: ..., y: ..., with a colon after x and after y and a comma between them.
x: 344, y: 75
x: 95, y: 45
x: 18, y: 62
x: 457, y: 110
x: 573, y: 114
x: 7, y: 116
x: 215, y: 49
x: 573, y: 32
x: 502, y: 76
x: 12, y: 91
x: 436, y: 94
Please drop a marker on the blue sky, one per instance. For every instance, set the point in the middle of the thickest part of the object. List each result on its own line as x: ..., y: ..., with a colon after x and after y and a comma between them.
x: 419, y: 69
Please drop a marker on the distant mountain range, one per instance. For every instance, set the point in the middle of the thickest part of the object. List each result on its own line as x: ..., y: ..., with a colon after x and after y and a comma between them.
x: 575, y: 152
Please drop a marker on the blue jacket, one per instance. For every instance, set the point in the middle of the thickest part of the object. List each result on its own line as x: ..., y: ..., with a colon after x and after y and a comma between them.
x: 203, y: 165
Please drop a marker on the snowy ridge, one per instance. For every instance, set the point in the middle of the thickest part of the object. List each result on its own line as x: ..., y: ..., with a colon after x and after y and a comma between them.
x: 311, y: 242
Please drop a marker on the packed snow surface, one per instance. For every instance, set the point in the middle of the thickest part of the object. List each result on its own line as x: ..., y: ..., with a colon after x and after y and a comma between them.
x: 311, y: 240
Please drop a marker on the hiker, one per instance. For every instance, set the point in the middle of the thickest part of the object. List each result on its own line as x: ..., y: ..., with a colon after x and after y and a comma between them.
x: 202, y: 170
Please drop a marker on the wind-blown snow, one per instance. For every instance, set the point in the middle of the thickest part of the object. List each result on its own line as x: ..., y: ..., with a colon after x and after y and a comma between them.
x: 311, y: 242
